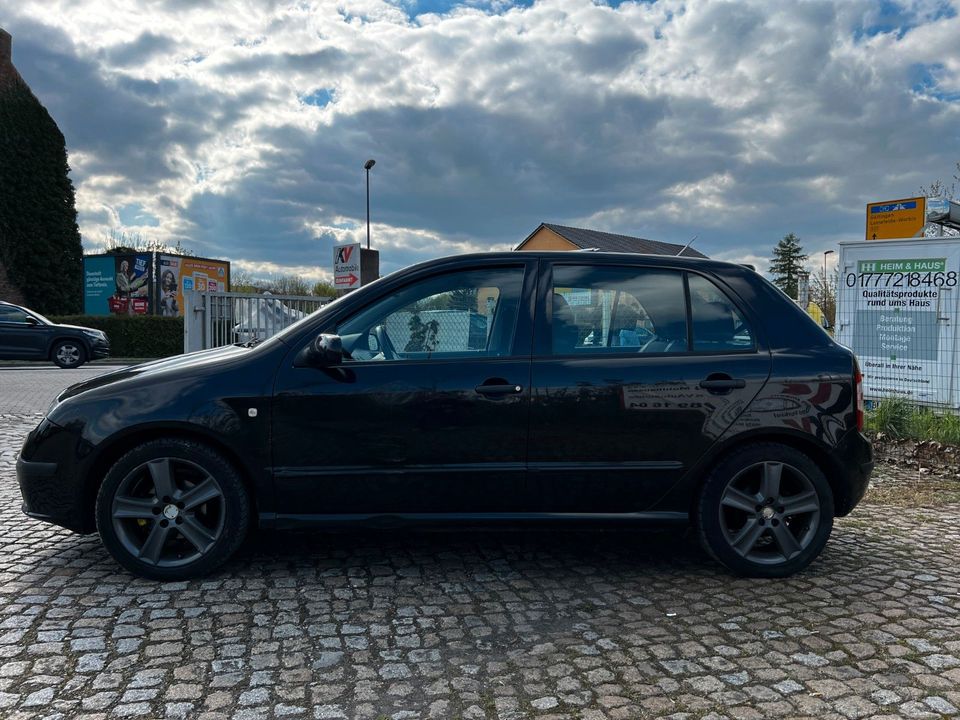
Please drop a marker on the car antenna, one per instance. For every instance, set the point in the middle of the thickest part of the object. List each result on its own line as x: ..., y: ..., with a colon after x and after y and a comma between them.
x: 687, y: 245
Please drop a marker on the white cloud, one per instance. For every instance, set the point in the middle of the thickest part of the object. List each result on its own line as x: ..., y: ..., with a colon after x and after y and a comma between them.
x: 739, y: 121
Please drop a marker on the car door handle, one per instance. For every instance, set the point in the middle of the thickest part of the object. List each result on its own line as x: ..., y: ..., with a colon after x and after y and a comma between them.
x: 721, y: 383
x: 499, y: 389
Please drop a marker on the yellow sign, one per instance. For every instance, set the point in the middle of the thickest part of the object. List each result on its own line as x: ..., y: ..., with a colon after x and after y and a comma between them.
x: 896, y: 218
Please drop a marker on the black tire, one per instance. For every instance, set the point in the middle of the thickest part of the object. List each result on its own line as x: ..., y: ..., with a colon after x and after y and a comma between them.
x: 761, y: 546
x: 68, y: 354
x: 198, y: 522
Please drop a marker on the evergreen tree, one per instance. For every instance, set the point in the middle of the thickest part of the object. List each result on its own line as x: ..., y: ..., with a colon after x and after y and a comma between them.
x: 787, y: 264
x: 39, y: 238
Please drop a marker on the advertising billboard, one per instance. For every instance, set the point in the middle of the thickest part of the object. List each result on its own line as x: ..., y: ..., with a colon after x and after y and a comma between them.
x: 117, y: 284
x: 177, y: 274
x: 98, y: 284
x: 897, y: 310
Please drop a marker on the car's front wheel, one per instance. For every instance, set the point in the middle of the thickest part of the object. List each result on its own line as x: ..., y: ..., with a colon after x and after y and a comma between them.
x: 172, y: 509
x: 69, y: 354
x: 766, y: 510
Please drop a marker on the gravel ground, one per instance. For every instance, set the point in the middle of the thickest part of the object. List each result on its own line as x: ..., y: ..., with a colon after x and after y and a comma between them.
x: 457, y: 624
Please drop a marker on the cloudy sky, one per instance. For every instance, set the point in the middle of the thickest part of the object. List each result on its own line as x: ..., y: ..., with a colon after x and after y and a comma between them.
x: 240, y: 127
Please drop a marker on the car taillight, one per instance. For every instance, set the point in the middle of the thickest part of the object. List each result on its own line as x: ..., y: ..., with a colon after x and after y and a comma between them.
x: 858, y: 389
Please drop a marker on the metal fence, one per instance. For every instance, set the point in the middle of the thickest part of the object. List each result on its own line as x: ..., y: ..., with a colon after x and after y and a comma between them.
x: 215, y: 319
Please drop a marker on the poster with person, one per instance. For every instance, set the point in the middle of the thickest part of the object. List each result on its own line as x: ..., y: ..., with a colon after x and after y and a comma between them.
x: 177, y: 274
x: 168, y: 284
x: 132, y: 283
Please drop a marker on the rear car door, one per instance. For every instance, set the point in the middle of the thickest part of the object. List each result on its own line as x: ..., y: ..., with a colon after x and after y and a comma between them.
x: 429, y: 413
x: 637, y: 370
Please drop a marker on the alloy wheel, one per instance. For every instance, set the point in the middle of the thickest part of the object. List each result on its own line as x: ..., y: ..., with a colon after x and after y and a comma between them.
x: 769, y: 512
x: 68, y: 354
x: 168, y: 512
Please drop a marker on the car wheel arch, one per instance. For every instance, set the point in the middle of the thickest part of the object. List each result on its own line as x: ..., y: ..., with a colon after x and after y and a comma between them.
x: 819, y: 454
x: 116, y: 447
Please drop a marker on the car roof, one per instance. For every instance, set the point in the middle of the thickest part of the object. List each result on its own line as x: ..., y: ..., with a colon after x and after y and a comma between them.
x: 590, y: 256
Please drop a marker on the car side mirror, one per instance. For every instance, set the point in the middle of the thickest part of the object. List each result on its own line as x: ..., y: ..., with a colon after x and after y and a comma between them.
x: 325, y: 350
x: 30, y: 320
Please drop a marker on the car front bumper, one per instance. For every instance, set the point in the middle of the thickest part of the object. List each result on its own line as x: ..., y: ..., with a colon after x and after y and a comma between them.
x: 48, y: 484
x: 99, y: 349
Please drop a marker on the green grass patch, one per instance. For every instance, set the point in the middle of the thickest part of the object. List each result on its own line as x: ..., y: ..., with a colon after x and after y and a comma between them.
x: 902, y: 420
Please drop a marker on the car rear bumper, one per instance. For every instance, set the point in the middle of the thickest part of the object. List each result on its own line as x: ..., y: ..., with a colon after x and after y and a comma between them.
x: 855, y: 453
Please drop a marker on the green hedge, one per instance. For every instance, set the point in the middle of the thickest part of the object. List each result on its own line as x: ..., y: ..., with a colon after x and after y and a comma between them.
x: 140, y: 336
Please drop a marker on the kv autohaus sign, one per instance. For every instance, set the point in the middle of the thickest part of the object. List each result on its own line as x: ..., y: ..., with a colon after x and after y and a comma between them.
x: 346, y: 266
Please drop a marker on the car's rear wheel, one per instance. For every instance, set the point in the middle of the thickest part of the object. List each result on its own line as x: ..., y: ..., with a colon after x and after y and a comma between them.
x: 69, y: 354
x: 766, y: 510
x: 172, y: 509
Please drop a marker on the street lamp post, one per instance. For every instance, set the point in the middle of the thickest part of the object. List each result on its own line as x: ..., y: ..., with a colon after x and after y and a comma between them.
x: 366, y: 166
x: 825, y: 283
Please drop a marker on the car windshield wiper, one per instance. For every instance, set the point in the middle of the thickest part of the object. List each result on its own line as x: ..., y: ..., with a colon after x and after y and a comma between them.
x: 249, y: 343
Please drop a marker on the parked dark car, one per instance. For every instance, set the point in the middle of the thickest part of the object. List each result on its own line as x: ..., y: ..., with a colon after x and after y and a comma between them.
x: 28, y: 335
x: 573, y: 386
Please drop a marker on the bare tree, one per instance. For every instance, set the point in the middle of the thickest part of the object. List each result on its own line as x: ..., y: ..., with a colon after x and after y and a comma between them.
x: 823, y: 291
x: 119, y: 241
x: 939, y: 188
x: 325, y: 289
x: 288, y: 285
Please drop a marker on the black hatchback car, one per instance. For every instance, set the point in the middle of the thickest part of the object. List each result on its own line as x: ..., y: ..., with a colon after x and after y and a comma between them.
x: 490, y: 387
x: 28, y: 335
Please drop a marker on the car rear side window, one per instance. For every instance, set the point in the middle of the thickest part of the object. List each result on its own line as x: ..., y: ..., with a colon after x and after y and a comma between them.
x: 717, y: 324
x: 597, y: 309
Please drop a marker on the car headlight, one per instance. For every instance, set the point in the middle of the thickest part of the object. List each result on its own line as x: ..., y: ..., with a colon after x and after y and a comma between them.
x: 98, y: 334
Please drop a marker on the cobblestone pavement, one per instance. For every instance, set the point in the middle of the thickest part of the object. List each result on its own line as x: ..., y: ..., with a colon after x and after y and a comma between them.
x: 458, y: 624
x: 29, y: 391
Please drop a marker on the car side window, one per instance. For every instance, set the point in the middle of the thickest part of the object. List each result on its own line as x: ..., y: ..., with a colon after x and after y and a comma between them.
x: 456, y: 315
x: 598, y: 309
x: 717, y: 324
x: 13, y: 315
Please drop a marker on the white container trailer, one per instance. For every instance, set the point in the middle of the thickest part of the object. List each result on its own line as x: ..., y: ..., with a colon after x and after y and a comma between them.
x: 897, y: 309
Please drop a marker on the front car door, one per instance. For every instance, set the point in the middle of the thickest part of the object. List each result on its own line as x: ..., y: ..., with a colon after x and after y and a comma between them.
x: 428, y: 412
x: 21, y: 335
x: 638, y: 369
